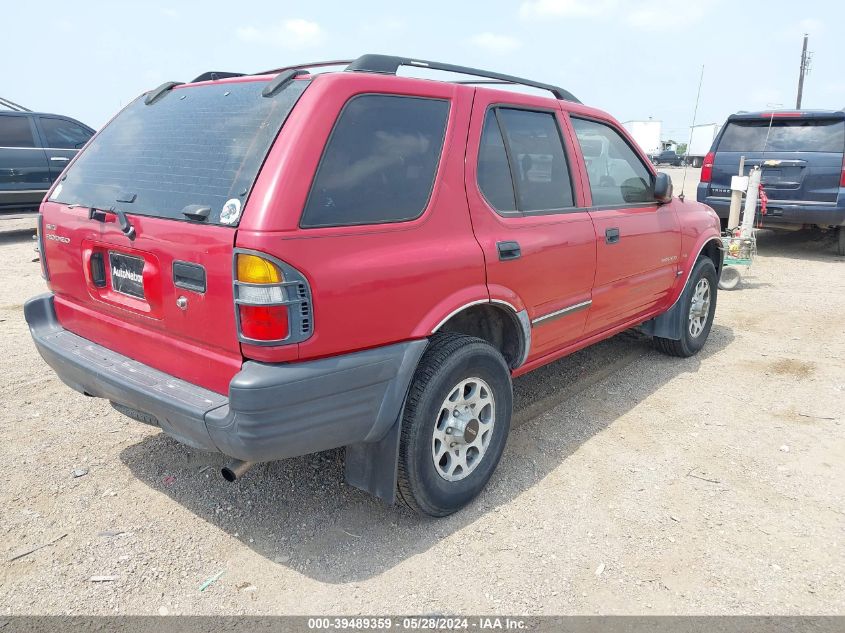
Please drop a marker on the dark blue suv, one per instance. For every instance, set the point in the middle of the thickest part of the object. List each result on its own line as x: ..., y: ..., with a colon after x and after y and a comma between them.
x: 802, y: 155
x: 34, y: 149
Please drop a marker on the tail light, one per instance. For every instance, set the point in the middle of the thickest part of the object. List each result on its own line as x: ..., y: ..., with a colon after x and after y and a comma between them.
x: 273, y: 300
x: 842, y: 175
x: 264, y: 323
x: 707, y: 167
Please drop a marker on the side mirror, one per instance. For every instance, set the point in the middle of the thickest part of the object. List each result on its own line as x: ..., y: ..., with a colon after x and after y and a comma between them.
x: 663, y: 187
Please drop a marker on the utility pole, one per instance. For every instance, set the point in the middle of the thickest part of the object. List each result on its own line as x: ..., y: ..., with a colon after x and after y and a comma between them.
x: 805, y: 63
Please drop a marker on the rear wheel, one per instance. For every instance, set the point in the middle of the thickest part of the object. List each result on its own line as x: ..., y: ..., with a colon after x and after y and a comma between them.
x: 455, y: 424
x: 840, y: 240
x: 697, y: 307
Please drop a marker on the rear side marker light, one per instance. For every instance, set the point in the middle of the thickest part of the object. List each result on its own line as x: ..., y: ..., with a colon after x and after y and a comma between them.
x: 273, y: 300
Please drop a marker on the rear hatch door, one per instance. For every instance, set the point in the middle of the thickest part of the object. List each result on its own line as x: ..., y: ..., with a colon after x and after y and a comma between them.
x: 177, y: 175
x: 800, y: 155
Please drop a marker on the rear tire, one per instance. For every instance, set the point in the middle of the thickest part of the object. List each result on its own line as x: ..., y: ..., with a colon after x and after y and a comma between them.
x: 455, y: 424
x: 697, y: 307
x: 840, y: 240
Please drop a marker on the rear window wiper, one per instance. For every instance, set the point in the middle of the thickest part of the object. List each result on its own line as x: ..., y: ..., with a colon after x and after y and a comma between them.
x: 125, y: 226
x: 196, y: 212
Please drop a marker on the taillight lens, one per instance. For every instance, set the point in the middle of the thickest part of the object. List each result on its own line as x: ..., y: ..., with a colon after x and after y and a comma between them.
x: 707, y: 167
x: 273, y: 300
x: 262, y: 302
x: 264, y: 323
x: 842, y: 176
x: 257, y: 270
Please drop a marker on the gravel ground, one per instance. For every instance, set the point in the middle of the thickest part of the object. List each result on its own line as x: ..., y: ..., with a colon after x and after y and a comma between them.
x: 631, y: 483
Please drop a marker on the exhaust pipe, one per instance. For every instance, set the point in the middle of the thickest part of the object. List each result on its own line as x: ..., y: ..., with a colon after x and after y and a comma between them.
x: 235, y: 469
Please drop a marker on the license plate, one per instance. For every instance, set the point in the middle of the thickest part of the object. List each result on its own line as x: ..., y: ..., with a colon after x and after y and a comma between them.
x: 127, y: 274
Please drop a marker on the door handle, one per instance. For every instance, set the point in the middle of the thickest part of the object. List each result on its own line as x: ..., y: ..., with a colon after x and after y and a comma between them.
x: 59, y: 159
x: 508, y: 250
x: 611, y: 236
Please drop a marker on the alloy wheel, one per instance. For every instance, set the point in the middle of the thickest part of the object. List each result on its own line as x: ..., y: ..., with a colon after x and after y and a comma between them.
x: 463, y: 429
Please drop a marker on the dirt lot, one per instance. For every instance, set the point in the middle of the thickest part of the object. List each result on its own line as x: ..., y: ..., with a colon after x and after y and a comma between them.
x: 632, y: 483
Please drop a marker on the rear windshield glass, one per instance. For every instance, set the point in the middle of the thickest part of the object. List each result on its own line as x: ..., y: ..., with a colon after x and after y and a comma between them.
x: 785, y: 136
x: 198, y: 146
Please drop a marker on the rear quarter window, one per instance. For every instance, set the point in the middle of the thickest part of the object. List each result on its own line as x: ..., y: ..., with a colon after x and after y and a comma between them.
x: 808, y: 135
x: 379, y: 163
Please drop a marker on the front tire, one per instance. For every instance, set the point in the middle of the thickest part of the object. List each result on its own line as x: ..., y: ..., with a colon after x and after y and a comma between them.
x: 455, y: 424
x: 697, y: 307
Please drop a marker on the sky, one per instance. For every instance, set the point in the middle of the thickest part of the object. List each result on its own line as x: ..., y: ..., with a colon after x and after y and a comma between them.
x: 635, y: 59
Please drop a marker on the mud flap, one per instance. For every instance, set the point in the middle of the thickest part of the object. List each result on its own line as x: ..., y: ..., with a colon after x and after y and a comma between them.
x: 372, y: 466
x: 668, y: 324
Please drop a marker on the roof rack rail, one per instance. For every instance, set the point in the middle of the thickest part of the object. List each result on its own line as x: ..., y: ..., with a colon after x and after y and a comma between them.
x: 14, y: 107
x: 389, y: 65
x: 334, y: 62
x: 214, y: 75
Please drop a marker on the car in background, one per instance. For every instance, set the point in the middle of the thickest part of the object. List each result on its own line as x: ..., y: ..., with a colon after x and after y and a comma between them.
x: 35, y: 147
x: 802, y: 156
x: 667, y: 157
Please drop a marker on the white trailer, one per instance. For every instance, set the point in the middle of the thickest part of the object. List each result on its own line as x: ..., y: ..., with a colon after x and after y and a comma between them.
x: 646, y: 134
x: 701, y: 138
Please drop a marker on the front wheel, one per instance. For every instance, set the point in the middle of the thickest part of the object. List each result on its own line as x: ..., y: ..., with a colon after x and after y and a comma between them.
x: 455, y: 424
x: 697, y: 307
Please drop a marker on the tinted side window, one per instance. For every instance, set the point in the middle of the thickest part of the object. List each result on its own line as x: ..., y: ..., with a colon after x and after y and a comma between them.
x: 379, y: 163
x: 494, y: 175
x: 15, y: 131
x: 538, y: 162
x: 617, y: 175
x: 63, y: 134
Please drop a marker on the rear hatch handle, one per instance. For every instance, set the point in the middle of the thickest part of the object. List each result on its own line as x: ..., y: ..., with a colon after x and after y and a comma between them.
x: 125, y: 226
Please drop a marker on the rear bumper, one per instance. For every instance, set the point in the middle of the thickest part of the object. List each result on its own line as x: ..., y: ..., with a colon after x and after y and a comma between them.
x: 784, y: 211
x: 272, y: 411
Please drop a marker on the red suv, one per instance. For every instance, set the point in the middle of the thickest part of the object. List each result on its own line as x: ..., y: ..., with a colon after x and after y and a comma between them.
x: 277, y: 264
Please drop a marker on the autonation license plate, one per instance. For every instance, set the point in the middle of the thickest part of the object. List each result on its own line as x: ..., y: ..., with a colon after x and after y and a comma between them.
x: 127, y: 274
